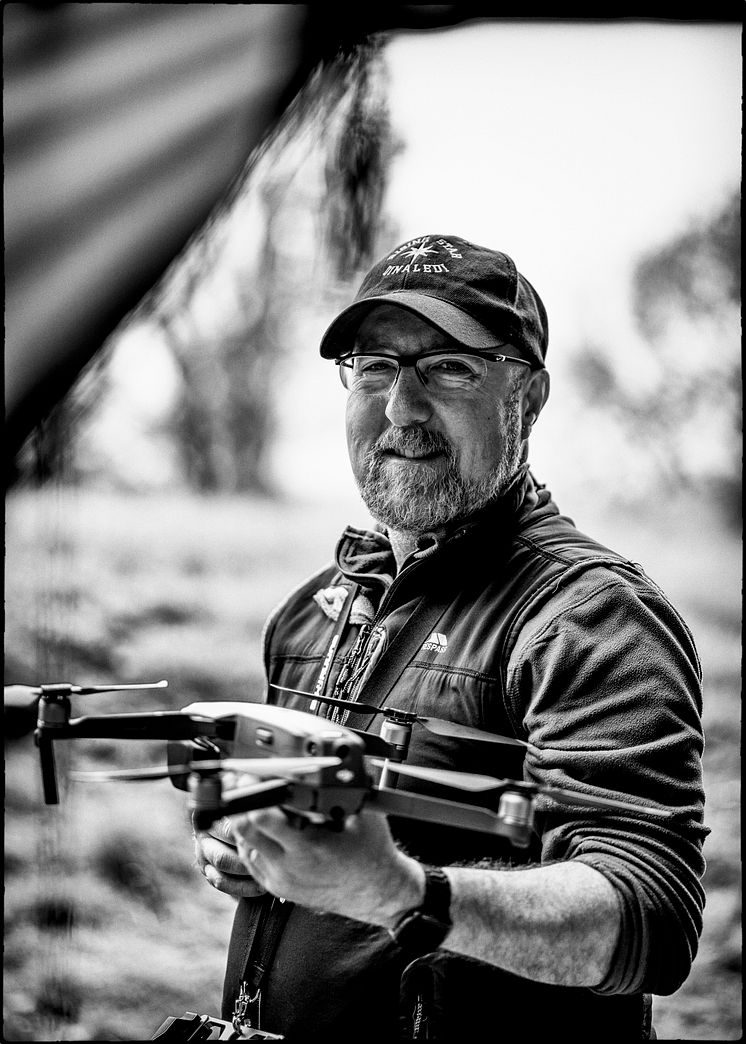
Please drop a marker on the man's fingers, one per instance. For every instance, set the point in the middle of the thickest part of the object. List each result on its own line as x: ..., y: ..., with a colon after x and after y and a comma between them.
x: 239, y: 887
x: 223, y: 868
x: 223, y: 857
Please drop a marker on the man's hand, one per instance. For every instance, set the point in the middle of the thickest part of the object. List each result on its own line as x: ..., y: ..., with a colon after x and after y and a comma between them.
x: 357, y: 873
x: 218, y: 860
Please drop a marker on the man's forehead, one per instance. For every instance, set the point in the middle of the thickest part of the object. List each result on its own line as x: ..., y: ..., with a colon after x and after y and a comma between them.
x: 391, y: 327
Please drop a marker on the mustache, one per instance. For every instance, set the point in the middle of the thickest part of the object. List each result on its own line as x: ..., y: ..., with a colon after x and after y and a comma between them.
x: 413, y: 439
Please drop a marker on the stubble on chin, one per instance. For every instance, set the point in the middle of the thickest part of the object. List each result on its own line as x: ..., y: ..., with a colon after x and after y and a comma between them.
x: 413, y: 499
x: 424, y: 497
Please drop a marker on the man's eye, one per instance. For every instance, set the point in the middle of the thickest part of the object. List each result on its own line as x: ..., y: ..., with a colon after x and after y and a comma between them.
x: 372, y: 367
x: 452, y: 366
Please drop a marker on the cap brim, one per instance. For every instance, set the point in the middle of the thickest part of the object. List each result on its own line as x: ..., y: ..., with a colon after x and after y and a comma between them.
x: 339, y: 338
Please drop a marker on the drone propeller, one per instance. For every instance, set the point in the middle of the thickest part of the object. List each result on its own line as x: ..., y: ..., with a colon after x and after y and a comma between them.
x: 447, y: 777
x: 265, y: 768
x: 438, y: 726
x: 23, y: 697
x: 473, y: 782
x: 78, y: 690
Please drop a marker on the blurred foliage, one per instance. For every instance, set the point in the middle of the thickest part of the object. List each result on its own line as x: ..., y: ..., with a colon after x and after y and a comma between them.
x: 357, y: 167
x: 698, y: 271
x: 686, y: 304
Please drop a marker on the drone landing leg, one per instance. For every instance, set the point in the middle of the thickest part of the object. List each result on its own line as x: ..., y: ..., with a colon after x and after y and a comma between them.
x: 397, y: 732
x: 389, y: 779
x: 48, y: 770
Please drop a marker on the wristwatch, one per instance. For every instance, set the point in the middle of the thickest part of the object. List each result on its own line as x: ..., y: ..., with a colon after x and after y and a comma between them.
x: 423, y: 929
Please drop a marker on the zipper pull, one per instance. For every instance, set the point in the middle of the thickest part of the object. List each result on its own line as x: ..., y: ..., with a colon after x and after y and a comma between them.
x: 419, y: 1019
x: 246, y: 1009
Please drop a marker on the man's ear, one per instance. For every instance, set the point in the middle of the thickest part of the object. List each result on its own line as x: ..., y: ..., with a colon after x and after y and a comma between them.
x: 535, y: 394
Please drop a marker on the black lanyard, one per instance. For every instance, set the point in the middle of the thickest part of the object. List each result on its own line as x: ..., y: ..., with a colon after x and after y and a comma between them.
x: 272, y: 915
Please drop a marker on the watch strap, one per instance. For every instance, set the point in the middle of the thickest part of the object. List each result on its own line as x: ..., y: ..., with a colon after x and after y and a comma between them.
x: 422, y: 929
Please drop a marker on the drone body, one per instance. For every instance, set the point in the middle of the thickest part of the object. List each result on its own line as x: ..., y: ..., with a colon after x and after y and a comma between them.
x: 330, y: 793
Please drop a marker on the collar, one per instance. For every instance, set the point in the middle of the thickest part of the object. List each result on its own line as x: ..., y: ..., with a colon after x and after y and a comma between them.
x: 365, y: 555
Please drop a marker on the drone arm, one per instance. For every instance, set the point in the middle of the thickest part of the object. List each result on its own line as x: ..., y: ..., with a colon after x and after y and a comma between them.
x: 260, y: 795
x: 452, y: 813
x: 375, y: 746
x: 21, y: 697
x: 53, y: 725
x: 153, y: 725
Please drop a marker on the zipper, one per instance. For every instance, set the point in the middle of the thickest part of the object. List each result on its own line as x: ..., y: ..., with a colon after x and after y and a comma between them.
x: 419, y: 1020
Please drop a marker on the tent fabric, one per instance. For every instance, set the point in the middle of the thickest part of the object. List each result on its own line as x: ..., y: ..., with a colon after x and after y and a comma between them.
x: 124, y: 126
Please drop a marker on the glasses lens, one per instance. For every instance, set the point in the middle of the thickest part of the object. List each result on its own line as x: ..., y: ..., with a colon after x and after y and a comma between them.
x: 368, y: 372
x: 441, y: 374
x: 452, y: 373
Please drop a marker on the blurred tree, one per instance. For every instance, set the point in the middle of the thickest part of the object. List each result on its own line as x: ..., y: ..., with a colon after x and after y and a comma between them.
x: 223, y: 339
x: 685, y: 296
x: 224, y: 306
x: 357, y: 167
x: 699, y: 271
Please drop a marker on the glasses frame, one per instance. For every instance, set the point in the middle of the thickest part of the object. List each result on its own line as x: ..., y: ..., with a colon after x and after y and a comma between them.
x: 404, y: 361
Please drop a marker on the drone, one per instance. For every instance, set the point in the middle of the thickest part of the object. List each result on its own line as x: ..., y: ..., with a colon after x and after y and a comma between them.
x: 317, y: 769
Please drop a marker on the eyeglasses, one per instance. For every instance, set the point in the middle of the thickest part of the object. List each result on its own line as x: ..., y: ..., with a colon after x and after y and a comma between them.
x: 439, y: 372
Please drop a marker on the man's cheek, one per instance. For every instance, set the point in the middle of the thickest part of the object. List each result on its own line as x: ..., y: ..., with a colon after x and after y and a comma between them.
x: 361, y: 454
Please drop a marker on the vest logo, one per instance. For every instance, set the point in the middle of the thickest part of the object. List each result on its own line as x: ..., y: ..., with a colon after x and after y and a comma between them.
x: 436, y: 642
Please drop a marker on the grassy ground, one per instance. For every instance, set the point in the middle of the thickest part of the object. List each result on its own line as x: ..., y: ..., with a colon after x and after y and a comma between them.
x: 109, y: 929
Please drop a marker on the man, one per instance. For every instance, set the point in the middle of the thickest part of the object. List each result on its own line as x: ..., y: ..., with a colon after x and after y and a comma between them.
x: 542, y: 634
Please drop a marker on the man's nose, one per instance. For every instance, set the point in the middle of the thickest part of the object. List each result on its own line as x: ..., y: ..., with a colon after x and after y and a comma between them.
x: 408, y: 401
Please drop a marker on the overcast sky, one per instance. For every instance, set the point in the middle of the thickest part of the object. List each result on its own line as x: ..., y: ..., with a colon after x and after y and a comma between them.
x: 571, y: 146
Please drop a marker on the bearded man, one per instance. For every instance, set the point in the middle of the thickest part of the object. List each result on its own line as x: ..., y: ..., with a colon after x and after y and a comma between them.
x: 392, y: 929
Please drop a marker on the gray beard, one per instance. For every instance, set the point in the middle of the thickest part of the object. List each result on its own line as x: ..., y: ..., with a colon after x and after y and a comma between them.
x: 425, y: 498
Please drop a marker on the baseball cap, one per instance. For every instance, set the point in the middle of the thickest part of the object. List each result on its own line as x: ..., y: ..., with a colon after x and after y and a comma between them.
x: 474, y: 294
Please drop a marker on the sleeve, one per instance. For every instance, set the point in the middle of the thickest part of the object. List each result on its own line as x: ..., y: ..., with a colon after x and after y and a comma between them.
x: 605, y: 683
